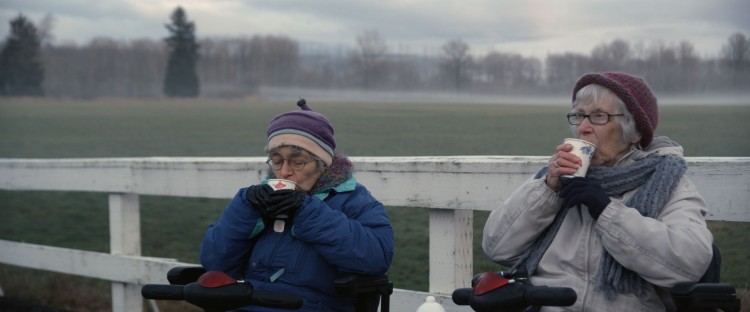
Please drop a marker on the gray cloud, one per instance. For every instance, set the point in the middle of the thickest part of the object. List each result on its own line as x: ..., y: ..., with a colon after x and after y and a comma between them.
x: 527, y: 27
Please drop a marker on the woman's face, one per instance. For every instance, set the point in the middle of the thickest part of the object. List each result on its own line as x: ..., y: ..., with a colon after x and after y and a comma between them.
x: 610, y: 144
x: 288, y: 156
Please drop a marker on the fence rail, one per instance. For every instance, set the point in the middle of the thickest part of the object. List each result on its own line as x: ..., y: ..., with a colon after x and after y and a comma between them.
x: 451, y: 187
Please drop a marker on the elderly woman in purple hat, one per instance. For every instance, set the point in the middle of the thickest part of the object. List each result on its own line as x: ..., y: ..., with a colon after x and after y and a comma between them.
x: 334, y: 224
x: 626, y: 232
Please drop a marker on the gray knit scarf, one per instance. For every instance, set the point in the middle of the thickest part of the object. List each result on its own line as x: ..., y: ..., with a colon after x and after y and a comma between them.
x: 656, y: 176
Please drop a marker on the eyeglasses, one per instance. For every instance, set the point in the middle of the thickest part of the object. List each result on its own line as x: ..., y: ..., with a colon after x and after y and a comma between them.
x: 597, y: 118
x: 277, y: 162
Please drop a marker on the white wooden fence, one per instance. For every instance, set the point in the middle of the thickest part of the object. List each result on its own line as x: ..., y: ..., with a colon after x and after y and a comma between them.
x: 451, y: 187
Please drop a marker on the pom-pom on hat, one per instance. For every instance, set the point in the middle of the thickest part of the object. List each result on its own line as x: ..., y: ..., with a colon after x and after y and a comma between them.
x: 635, y: 93
x: 304, y: 128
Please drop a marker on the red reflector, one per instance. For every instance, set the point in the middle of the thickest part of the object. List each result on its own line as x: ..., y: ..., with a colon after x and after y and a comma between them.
x: 488, y: 282
x: 212, y: 279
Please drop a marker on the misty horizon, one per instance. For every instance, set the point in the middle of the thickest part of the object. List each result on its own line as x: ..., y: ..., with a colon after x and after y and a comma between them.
x: 436, y: 97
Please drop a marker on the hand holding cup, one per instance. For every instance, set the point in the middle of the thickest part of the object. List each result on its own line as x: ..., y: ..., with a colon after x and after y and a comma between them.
x: 571, y: 159
x: 284, y: 202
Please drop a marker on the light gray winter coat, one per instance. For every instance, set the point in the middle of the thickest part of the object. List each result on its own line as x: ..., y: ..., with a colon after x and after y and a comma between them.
x: 674, y: 247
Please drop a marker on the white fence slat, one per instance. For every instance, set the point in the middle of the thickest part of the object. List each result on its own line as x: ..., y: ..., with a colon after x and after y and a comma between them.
x: 452, y: 187
x: 124, y: 224
x: 125, y: 239
x: 126, y: 297
x: 451, y: 235
x: 116, y: 268
x: 457, y: 182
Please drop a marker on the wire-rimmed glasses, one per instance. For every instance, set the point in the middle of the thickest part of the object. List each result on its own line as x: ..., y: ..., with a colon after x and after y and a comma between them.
x: 276, y: 162
x: 597, y: 118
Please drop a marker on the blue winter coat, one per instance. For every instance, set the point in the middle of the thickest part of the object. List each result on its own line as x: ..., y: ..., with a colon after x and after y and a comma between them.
x: 342, y: 230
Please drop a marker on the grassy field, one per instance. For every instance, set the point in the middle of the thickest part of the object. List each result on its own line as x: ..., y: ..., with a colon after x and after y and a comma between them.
x: 172, y: 227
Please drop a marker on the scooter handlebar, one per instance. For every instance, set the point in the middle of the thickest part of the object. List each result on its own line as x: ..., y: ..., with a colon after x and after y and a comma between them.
x: 550, y: 296
x: 461, y: 296
x: 222, y: 298
x: 162, y: 292
x: 514, y: 297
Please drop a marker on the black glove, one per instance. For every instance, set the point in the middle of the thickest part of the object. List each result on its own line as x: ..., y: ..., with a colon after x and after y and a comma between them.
x: 584, y: 191
x: 260, y: 197
x: 285, y: 202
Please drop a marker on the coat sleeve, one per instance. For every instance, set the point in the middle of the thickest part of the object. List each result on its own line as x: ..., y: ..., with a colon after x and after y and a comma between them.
x: 513, y: 226
x: 356, y: 237
x: 674, y: 247
x: 228, y: 242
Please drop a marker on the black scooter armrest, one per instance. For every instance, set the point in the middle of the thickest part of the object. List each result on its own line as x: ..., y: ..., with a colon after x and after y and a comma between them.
x: 687, y: 296
x: 353, y: 284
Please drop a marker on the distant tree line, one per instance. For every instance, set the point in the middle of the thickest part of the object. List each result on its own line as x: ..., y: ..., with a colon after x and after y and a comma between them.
x: 238, y: 66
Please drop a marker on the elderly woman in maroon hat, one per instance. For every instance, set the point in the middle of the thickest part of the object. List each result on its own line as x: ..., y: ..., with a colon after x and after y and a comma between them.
x: 626, y: 232
x: 333, y: 224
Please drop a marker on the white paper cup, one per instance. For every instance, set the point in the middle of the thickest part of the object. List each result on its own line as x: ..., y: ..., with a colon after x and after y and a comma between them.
x: 584, y: 150
x: 281, y: 184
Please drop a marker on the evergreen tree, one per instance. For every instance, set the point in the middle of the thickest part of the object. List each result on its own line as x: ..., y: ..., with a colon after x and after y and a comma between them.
x: 21, y: 71
x: 181, y: 79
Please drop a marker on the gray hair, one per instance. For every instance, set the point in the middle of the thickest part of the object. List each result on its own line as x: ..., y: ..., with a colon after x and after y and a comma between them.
x: 592, y: 94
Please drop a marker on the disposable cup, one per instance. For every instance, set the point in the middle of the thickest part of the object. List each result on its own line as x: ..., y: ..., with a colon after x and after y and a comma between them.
x: 281, y: 184
x: 584, y: 150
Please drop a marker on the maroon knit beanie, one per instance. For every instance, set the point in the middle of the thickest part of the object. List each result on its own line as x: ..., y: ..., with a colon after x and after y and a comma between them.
x: 635, y: 93
x: 304, y: 128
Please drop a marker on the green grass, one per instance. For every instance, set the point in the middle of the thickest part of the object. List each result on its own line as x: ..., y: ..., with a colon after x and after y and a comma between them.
x: 173, y: 227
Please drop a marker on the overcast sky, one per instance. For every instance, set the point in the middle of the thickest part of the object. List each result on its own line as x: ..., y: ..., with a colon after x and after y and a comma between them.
x: 531, y: 28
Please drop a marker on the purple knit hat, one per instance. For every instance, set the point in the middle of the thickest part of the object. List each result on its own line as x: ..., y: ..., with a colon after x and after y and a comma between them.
x: 635, y: 93
x: 304, y: 128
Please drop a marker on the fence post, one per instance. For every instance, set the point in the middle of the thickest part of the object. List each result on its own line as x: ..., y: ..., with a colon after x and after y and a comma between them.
x: 451, y: 257
x: 125, y: 239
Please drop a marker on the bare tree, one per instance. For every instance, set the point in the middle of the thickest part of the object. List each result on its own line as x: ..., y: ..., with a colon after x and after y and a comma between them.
x: 530, y: 75
x: 564, y: 69
x: 46, y: 25
x: 737, y: 51
x: 236, y: 67
x: 221, y: 69
x: 323, y: 68
x: 369, y: 57
x: 456, y: 62
x: 660, y: 66
x: 405, y: 75
x: 507, y: 72
x: 105, y: 68
x: 496, y: 69
x: 281, y: 58
x: 736, y: 59
x: 611, y: 56
x: 687, y: 62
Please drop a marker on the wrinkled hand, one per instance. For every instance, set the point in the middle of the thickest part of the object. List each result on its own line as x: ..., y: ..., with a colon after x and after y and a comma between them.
x: 285, y: 202
x: 563, y: 162
x: 584, y: 191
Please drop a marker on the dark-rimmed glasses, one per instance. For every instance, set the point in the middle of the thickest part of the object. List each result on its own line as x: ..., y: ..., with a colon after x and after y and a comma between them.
x: 277, y: 162
x: 597, y: 118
